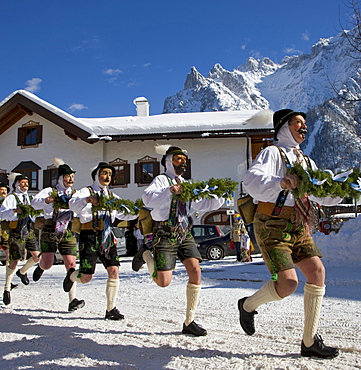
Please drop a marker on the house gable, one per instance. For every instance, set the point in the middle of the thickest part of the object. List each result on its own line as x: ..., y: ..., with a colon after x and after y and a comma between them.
x: 19, y: 106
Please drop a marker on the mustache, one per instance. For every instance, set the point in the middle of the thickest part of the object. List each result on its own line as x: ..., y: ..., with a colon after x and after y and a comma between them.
x: 302, y: 131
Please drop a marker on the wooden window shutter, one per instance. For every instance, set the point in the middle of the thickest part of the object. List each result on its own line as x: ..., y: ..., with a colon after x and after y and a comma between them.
x: 156, y: 169
x: 39, y: 134
x: 127, y: 173
x: 21, y: 136
x: 46, y: 178
x: 188, y: 174
x: 138, y: 173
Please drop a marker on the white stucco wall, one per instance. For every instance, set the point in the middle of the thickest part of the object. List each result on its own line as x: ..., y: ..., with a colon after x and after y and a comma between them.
x: 218, y: 158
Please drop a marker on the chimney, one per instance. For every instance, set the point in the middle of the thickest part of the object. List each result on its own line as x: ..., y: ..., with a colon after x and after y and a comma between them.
x: 142, y: 106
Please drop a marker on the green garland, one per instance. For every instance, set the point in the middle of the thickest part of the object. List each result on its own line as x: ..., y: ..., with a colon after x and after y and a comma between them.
x: 207, y: 189
x: 112, y: 203
x: 311, y: 183
x: 28, y: 210
x: 58, y: 202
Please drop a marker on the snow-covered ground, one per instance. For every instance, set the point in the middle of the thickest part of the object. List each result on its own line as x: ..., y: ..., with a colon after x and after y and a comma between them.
x: 37, y: 332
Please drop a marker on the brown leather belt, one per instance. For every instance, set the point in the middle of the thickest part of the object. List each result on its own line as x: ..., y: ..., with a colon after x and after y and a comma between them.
x: 266, y: 208
x: 89, y: 225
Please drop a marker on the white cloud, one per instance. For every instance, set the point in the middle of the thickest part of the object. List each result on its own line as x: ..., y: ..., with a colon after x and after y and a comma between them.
x: 305, y: 36
x: 292, y: 50
x: 33, y: 85
x: 147, y: 64
x: 132, y: 84
x: 112, y: 72
x: 255, y: 54
x: 76, y: 106
x: 92, y: 43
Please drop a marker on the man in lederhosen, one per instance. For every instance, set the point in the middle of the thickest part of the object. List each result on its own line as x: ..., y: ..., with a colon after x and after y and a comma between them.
x: 57, y: 233
x: 96, y: 237
x: 171, y: 233
x: 22, y: 237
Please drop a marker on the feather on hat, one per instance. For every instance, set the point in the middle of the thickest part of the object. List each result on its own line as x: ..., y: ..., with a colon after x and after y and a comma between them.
x: 63, y: 169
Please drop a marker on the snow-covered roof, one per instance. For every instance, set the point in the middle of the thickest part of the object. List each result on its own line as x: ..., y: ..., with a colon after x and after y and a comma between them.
x: 174, y: 122
x: 204, y: 122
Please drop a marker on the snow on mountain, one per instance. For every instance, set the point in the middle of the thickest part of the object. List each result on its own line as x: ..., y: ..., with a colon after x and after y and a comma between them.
x: 222, y: 89
x: 307, y: 82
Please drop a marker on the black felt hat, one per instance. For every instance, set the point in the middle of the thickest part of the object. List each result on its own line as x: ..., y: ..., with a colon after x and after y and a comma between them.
x: 100, y: 166
x: 171, y: 151
x: 64, y: 169
x: 19, y: 178
x: 2, y: 185
x: 282, y: 116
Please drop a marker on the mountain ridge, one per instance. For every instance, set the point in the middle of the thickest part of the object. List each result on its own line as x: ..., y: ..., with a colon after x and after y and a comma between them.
x: 315, y: 83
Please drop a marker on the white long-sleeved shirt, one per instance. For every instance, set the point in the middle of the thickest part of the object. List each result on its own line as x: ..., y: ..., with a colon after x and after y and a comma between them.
x: 79, y: 205
x: 9, y: 204
x: 263, y: 180
x: 158, y: 197
x: 39, y: 203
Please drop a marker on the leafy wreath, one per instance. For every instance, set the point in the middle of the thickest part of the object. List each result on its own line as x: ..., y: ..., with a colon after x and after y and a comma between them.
x: 60, y: 201
x: 323, y: 183
x: 28, y: 210
x: 112, y: 203
x: 207, y: 189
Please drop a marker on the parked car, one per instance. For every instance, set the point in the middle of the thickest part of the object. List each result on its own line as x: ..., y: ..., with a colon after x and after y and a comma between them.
x: 203, y: 232
x: 216, y: 248
x: 120, y: 241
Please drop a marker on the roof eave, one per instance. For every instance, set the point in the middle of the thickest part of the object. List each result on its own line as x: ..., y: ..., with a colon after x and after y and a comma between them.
x: 193, y: 135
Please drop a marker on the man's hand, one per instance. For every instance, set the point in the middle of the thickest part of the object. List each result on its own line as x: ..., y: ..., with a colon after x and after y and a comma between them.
x: 49, y: 200
x: 93, y: 200
x: 176, y: 189
x: 290, y: 182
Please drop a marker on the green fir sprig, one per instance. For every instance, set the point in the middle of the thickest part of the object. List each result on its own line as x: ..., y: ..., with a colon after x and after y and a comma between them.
x: 311, y: 183
x: 112, y: 203
x: 58, y: 201
x: 28, y: 210
x: 193, y: 191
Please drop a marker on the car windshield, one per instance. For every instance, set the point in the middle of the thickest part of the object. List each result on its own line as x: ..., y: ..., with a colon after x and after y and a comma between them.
x: 117, y: 232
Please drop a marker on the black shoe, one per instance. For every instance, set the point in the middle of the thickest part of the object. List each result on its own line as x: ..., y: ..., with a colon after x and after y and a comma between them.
x: 24, y: 278
x: 138, y: 261
x: 37, y: 273
x: 67, y: 283
x: 13, y: 286
x: 6, y: 297
x: 194, y: 329
x: 113, y: 314
x: 318, y: 349
x: 246, y: 319
x: 75, y: 304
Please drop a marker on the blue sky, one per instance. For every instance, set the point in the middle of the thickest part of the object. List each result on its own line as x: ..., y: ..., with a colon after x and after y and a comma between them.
x: 91, y: 58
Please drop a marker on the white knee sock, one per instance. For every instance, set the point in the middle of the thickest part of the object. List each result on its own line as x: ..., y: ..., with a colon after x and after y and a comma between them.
x: 312, y: 301
x: 266, y: 294
x: 29, y: 264
x: 111, y: 292
x: 149, y: 260
x: 72, y: 292
x: 8, y: 278
x: 192, y: 293
x: 74, y: 277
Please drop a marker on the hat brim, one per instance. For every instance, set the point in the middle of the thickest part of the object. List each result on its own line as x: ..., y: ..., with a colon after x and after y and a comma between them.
x: 172, y: 154
x: 94, y: 172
